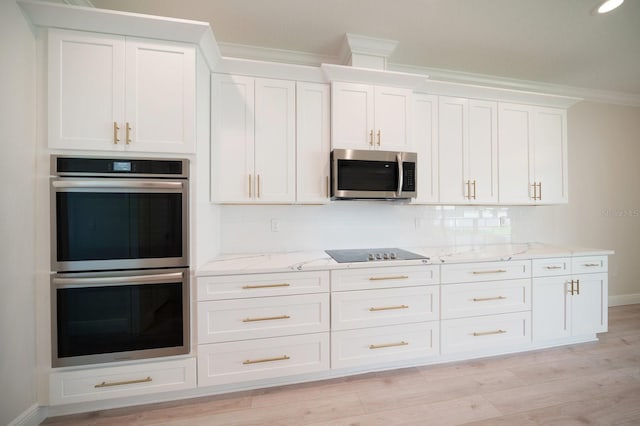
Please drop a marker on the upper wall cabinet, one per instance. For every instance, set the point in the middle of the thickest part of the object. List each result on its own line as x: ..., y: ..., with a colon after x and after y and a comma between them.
x: 532, y: 154
x: 468, y: 145
x: 425, y: 142
x: 252, y: 140
x: 114, y: 93
x: 370, y: 117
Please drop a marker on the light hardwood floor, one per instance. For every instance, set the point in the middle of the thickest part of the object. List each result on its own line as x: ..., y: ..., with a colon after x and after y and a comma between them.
x: 588, y: 384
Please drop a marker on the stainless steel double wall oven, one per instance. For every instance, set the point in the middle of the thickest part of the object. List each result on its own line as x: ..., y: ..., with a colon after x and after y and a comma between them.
x: 119, y: 252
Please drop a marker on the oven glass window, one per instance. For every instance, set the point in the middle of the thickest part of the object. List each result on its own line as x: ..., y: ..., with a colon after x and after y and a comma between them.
x: 97, y: 226
x: 359, y: 175
x: 119, y: 318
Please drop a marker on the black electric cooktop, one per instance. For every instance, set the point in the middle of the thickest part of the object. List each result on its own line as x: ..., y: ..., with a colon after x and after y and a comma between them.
x: 372, y: 255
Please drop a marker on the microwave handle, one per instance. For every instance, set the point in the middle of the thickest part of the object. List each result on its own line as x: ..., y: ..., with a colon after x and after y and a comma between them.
x: 400, y: 173
x: 135, y: 279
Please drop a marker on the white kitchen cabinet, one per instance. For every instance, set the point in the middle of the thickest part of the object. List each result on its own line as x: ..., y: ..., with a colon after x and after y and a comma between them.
x: 532, y: 159
x: 115, y: 93
x: 468, y: 157
x: 313, y: 142
x: 370, y: 117
x: 425, y: 143
x: 574, y: 304
x: 253, y: 140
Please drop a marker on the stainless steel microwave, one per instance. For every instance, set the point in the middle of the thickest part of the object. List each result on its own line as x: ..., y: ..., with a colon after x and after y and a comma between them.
x: 375, y: 175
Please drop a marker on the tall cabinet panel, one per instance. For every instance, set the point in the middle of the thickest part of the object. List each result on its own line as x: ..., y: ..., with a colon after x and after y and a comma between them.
x: 392, y: 117
x: 515, y: 136
x: 425, y: 141
x: 352, y: 116
x: 452, y: 130
x: 550, y: 155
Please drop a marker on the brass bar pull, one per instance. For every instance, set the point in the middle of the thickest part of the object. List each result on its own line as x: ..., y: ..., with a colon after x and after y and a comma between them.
x: 474, y: 189
x: 540, y: 191
x: 115, y: 133
x: 257, y: 361
x: 397, y: 277
x: 327, y: 186
x: 379, y: 132
x: 371, y: 137
x: 266, y: 318
x: 128, y: 133
x: 467, y: 194
x: 250, y: 185
x: 124, y: 382
x: 553, y: 267
x: 389, y: 308
x: 591, y: 264
x: 488, y: 333
x: 258, y: 187
x: 570, y: 291
x: 388, y: 345
x: 578, y: 287
x: 535, y: 192
x: 493, y: 271
x: 486, y: 299
x: 254, y: 286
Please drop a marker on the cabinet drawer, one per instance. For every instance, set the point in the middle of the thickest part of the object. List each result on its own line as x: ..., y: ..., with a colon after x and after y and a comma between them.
x: 260, y: 285
x: 221, y: 363
x: 488, y: 332
x: 551, y: 267
x: 589, y: 264
x: 491, y: 297
x: 485, y: 271
x: 353, y: 348
x: 384, y: 277
x: 227, y: 320
x: 124, y: 381
x: 370, y: 308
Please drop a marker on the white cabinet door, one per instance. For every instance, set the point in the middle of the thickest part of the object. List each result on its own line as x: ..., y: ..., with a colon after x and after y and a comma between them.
x: 352, y: 116
x: 550, y: 155
x: 275, y: 141
x: 515, y: 138
x: 392, y: 113
x: 551, y: 308
x: 425, y: 142
x: 313, y: 143
x: 481, y: 153
x: 452, y: 130
x: 85, y: 90
x: 589, y: 304
x: 232, y: 139
x: 160, y: 97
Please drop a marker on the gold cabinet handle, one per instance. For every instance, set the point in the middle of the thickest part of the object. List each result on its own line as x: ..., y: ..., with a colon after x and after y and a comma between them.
x: 388, y: 345
x: 474, y: 189
x: 486, y: 299
x: 540, y: 191
x: 128, y: 133
x: 553, y: 267
x: 254, y: 286
x: 280, y: 317
x: 570, y: 291
x: 467, y: 195
x: 493, y: 271
x: 535, y: 192
x: 578, y: 287
x: 388, y: 308
x: 371, y: 137
x: 124, y: 382
x: 589, y: 265
x: 258, y: 186
x: 379, y: 137
x: 257, y: 361
x: 397, y: 277
x: 488, y: 333
x: 115, y: 133
x: 250, y: 185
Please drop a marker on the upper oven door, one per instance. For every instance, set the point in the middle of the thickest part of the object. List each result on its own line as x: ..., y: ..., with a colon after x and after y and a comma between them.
x: 112, y: 223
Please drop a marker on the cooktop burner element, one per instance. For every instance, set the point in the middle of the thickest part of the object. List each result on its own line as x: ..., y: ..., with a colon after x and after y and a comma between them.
x: 372, y: 255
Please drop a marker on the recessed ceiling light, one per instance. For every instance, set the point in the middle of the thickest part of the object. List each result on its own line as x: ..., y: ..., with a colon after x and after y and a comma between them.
x: 609, y: 5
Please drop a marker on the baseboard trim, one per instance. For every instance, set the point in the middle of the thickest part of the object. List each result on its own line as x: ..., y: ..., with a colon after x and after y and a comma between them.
x: 624, y: 299
x: 32, y: 416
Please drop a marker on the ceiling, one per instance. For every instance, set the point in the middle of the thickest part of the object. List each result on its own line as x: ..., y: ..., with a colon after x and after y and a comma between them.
x: 553, y: 42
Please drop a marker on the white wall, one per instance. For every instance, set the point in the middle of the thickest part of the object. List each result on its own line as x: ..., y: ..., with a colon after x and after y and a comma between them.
x: 17, y: 183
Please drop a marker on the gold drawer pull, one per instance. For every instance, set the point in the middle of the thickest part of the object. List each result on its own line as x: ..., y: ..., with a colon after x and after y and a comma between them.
x: 591, y: 264
x: 115, y: 133
x: 493, y: 271
x: 398, y: 277
x: 124, y: 382
x: 389, y: 308
x: 266, y: 318
x: 553, y: 267
x: 257, y: 361
x: 486, y: 299
x: 388, y: 345
x: 250, y: 286
x: 487, y: 333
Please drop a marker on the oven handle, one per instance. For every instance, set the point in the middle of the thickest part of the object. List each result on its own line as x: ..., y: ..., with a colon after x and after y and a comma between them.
x: 400, y: 173
x: 135, y: 279
x: 152, y: 184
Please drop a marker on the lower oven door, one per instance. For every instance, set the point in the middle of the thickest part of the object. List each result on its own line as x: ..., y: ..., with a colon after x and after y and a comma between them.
x: 116, y: 316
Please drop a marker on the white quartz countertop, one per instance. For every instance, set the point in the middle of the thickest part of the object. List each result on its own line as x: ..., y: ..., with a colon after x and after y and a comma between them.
x: 229, y: 264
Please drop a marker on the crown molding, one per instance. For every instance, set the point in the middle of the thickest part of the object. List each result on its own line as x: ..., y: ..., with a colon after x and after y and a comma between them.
x: 85, y: 3
x: 243, y: 51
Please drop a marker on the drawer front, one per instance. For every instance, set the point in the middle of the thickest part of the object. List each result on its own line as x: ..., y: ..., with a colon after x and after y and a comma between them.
x: 490, y: 297
x: 228, y: 320
x: 124, y: 381
x: 261, y: 285
x: 485, y: 271
x: 488, y: 332
x: 589, y: 264
x: 371, y: 308
x: 354, y: 348
x: 551, y: 267
x: 386, y: 277
x: 222, y: 363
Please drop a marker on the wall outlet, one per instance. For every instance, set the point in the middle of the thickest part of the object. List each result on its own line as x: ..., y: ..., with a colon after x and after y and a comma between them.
x: 275, y: 225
